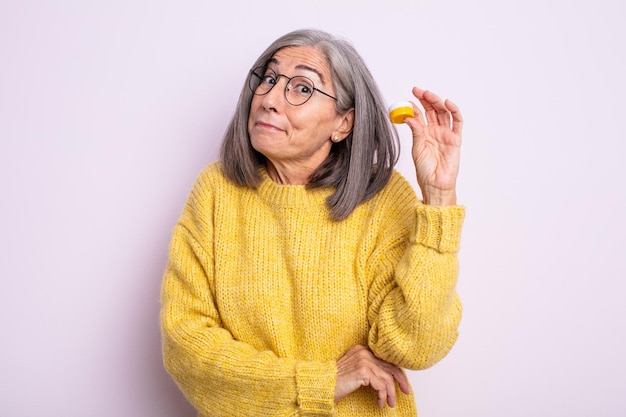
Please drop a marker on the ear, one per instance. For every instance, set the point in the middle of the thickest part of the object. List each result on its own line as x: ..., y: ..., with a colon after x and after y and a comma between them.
x: 346, y: 123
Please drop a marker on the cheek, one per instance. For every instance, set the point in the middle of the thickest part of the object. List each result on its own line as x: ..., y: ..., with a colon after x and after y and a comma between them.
x: 312, y: 120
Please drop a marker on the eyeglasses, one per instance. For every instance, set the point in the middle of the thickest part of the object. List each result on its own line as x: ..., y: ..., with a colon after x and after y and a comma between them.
x: 298, y: 89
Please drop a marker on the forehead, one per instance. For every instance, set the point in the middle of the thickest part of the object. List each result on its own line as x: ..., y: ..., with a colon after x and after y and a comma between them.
x: 298, y: 60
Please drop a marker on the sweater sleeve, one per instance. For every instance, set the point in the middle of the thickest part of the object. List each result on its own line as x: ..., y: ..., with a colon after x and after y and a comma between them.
x: 414, y: 309
x: 220, y: 375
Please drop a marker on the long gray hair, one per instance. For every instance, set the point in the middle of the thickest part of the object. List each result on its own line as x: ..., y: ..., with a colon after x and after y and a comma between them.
x: 357, y: 167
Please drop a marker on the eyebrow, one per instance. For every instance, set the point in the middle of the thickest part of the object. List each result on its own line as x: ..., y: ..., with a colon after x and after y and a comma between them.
x: 301, y: 67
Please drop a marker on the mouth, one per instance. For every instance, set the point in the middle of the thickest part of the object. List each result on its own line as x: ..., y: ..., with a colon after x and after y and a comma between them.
x: 267, y: 126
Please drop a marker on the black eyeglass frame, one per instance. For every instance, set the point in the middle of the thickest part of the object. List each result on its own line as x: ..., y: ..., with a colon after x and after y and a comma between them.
x: 260, y: 77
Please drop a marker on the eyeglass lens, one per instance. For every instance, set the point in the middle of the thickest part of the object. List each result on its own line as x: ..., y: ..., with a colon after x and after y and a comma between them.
x: 297, y: 90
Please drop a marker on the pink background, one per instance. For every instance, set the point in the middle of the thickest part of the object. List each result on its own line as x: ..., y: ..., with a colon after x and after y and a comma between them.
x: 109, y: 109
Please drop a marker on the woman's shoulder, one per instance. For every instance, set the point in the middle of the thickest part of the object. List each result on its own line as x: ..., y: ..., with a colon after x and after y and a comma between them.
x: 209, y: 182
x: 212, y: 177
x: 398, y: 190
x: 398, y: 178
x: 395, y: 201
x: 212, y: 171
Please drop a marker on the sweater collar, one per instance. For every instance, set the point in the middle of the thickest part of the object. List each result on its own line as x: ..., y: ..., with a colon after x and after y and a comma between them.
x: 291, y: 195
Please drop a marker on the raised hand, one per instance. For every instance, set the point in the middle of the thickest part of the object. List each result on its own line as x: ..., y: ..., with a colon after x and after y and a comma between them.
x: 436, y: 147
x: 360, y: 368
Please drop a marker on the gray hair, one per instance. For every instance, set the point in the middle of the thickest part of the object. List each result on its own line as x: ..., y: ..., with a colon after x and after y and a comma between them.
x: 357, y: 167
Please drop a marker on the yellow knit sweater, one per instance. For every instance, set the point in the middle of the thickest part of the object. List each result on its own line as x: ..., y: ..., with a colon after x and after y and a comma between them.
x: 263, y: 292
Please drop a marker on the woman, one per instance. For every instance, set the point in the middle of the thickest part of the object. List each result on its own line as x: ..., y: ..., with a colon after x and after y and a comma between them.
x: 304, y: 273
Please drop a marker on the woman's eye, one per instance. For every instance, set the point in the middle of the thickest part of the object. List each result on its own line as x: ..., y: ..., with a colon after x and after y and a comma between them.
x: 304, y: 89
x: 268, y: 79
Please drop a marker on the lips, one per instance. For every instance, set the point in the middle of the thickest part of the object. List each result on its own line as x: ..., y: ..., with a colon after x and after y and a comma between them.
x: 268, y: 126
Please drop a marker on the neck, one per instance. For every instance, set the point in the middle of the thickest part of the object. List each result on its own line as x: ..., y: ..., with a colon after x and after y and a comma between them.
x: 288, y: 175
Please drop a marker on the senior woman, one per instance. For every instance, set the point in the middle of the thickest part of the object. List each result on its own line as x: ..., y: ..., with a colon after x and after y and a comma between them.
x: 304, y: 273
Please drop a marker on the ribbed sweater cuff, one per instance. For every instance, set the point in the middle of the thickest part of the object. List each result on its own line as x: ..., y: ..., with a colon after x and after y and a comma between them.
x: 439, y: 227
x: 316, y: 388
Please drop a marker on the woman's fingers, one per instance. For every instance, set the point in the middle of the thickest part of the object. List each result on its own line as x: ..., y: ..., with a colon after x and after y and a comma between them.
x: 359, y: 367
x: 434, y: 108
x: 383, y: 384
x: 438, y: 111
x: 400, y: 377
x: 457, y: 118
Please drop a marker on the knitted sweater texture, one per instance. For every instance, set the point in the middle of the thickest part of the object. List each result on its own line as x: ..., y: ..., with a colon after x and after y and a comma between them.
x: 263, y: 293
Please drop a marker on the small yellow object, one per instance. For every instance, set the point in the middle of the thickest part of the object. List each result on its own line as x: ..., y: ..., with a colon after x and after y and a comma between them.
x: 400, y: 111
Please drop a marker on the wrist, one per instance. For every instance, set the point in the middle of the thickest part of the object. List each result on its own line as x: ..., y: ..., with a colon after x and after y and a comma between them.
x: 438, y: 197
